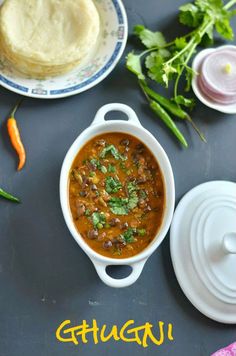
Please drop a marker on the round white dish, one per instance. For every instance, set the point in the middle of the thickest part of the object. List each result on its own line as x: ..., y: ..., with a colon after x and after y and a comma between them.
x: 203, y: 249
x: 95, y: 68
x: 133, y: 127
x: 227, y: 109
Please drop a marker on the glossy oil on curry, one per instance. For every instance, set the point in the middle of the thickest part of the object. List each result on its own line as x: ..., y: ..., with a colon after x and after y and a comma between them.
x: 116, y: 195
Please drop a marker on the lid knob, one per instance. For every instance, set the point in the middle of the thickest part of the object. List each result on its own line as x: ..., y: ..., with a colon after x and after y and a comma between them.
x: 229, y: 242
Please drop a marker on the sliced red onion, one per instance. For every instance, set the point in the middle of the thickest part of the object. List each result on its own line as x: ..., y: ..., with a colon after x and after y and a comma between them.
x: 217, y: 78
x: 215, y: 73
x: 215, y: 96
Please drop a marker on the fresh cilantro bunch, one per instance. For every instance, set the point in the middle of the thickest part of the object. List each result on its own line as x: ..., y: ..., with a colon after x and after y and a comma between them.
x: 164, y: 62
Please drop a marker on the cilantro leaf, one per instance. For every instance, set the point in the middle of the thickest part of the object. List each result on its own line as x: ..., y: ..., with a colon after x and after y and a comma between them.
x: 181, y: 100
x: 111, y: 168
x: 113, y: 185
x: 154, y: 64
x: 122, y: 206
x: 141, y: 232
x: 118, y: 206
x: 113, y: 151
x: 133, y: 63
x: 190, y: 15
x: 132, y: 187
x: 164, y: 53
x: 133, y: 201
x: 97, y: 164
x: 128, y: 235
x: 98, y: 218
x: 224, y: 28
x: 142, y: 194
x: 208, y: 39
x: 208, y: 6
x: 148, y: 38
x: 87, y: 212
x: 180, y: 42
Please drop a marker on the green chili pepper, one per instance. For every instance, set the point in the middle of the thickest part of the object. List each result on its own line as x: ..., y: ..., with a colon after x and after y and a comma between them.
x: 171, y: 107
x: 8, y: 196
x: 165, y: 103
x: 165, y: 117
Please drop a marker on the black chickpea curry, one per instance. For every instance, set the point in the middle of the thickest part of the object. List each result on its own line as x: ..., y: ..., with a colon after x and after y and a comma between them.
x: 116, y: 195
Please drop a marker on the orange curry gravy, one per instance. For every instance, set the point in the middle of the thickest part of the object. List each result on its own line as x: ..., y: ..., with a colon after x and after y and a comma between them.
x: 116, y: 195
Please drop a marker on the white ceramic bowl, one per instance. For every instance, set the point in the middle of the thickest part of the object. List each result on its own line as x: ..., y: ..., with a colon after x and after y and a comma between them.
x: 133, y: 127
x: 93, y: 69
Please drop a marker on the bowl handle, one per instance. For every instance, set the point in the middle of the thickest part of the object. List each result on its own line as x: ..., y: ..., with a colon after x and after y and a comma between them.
x: 119, y: 283
x: 100, y: 115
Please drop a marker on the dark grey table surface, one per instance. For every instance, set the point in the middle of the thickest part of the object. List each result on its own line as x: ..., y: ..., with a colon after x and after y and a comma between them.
x: 45, y: 277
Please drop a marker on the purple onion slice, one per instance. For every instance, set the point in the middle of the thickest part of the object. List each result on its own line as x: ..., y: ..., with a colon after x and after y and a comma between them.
x: 219, y: 73
x: 213, y: 95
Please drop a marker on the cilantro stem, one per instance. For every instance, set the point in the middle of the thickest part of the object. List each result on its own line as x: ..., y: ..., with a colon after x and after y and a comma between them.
x: 169, y: 44
x: 202, y: 30
x: 181, y: 52
x: 229, y: 4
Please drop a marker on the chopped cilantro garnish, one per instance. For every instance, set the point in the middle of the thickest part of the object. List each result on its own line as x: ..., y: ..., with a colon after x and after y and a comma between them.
x: 113, y: 185
x: 111, y: 168
x: 113, y: 151
x: 119, y: 206
x: 141, y: 232
x: 142, y: 194
x: 87, y: 212
x: 123, y: 167
x: 132, y: 187
x: 129, y: 235
x: 103, y: 169
x: 97, y: 164
x: 98, y: 219
x: 122, y: 206
x: 133, y: 201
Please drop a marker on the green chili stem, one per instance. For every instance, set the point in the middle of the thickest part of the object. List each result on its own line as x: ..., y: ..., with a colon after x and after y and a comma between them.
x: 12, y: 114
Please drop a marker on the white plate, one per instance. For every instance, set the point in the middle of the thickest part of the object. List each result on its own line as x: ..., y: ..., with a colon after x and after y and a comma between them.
x: 227, y: 109
x: 111, y: 44
x: 203, y: 267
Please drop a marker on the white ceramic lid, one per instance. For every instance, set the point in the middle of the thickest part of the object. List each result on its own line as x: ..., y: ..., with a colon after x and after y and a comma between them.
x: 203, y: 249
